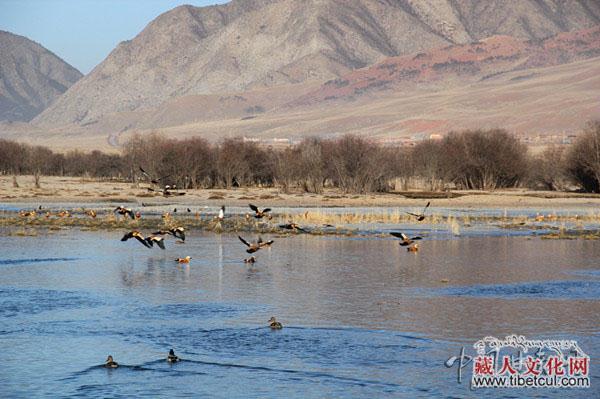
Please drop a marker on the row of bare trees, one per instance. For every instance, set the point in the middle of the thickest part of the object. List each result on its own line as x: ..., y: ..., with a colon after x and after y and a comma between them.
x: 480, y: 159
x: 19, y: 159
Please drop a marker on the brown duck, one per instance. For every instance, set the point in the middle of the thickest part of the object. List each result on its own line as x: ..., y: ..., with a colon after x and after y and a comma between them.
x: 138, y: 236
x: 258, y: 214
x: 405, y: 240
x: 124, y: 212
x: 255, y: 246
x: 420, y: 216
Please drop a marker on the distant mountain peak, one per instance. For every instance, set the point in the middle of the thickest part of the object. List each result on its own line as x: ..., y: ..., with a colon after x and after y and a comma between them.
x: 31, y: 77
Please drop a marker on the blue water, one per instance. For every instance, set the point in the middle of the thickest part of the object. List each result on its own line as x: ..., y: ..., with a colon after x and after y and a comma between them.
x: 362, y: 317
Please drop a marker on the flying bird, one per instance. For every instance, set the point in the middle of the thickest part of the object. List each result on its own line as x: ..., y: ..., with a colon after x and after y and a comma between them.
x: 292, y: 226
x: 160, y: 241
x: 153, y: 180
x: 177, y: 232
x: 138, y: 236
x: 420, y: 216
x: 258, y: 214
x: 405, y: 240
x: 124, y: 211
x: 255, y: 246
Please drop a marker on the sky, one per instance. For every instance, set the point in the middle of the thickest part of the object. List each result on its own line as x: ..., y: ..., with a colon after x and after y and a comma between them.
x: 83, y: 32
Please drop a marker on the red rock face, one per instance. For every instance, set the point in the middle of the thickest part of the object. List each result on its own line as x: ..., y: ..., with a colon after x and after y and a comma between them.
x: 475, y: 61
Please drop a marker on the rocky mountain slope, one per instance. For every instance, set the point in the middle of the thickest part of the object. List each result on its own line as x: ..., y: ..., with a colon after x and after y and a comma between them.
x: 460, y: 64
x: 31, y: 77
x: 253, y: 44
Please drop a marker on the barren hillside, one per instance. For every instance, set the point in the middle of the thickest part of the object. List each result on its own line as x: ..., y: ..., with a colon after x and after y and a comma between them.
x: 31, y: 77
x: 252, y: 44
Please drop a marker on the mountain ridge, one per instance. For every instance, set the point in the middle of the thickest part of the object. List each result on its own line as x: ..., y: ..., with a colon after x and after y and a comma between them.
x: 31, y: 77
x: 252, y: 44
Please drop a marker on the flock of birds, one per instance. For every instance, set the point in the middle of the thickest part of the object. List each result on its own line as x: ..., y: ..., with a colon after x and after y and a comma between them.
x: 251, y: 247
x: 158, y: 237
x: 178, y: 232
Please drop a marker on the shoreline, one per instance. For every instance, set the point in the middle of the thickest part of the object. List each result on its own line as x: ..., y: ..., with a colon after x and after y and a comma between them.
x: 78, y: 192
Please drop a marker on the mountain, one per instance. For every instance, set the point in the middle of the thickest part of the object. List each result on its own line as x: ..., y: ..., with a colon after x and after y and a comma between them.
x: 31, y: 77
x: 253, y: 44
x: 458, y: 64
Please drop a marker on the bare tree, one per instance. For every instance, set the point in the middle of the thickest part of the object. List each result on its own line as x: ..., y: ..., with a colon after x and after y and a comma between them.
x: 548, y: 169
x: 583, y: 159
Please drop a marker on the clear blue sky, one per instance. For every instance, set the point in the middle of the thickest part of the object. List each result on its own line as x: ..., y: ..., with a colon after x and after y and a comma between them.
x: 83, y: 32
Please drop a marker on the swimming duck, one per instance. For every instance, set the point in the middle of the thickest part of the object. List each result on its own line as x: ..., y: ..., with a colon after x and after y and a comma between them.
x: 250, y: 260
x: 124, y: 211
x: 171, y: 357
x: 183, y: 260
x: 274, y: 324
x: 27, y: 213
x: 414, y: 248
x: 156, y: 240
x: 110, y: 363
x: 91, y: 213
x: 405, y: 240
x: 258, y: 214
x: 138, y: 236
x: 177, y: 232
x: 255, y: 246
x: 64, y: 214
x: 420, y: 216
x: 292, y: 226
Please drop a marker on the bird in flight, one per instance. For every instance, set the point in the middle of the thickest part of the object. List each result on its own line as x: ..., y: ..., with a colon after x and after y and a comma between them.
x: 160, y: 241
x: 258, y: 214
x: 138, y: 236
x: 405, y: 239
x: 255, y: 246
x: 152, y: 179
x: 124, y: 211
x: 177, y: 232
x: 292, y: 226
x: 420, y: 216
